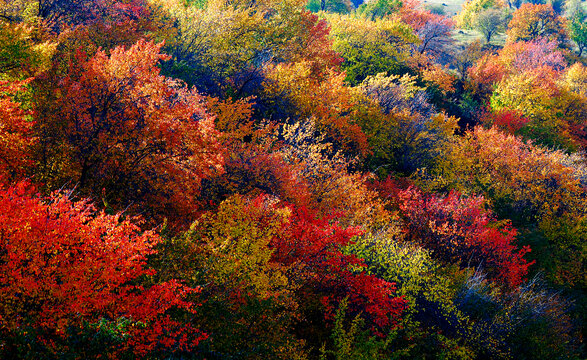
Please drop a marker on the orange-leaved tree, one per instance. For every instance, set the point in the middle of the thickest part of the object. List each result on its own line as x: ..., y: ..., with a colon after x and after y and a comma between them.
x: 293, y: 89
x: 120, y: 130
x: 531, y: 22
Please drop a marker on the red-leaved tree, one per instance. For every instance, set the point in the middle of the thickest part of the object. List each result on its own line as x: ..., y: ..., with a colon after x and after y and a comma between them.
x: 63, y: 265
x: 16, y: 135
x: 312, y: 249
x: 459, y: 229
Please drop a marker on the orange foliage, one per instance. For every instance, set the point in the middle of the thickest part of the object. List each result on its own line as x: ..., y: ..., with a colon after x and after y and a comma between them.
x: 313, y: 44
x: 485, y: 73
x: 330, y: 187
x: 123, y: 127
x: 534, y: 21
x: 328, y: 100
x: 412, y: 14
x: 439, y: 76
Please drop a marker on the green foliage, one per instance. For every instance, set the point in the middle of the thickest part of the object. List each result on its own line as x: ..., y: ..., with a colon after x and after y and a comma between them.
x: 335, y: 6
x: 467, y: 18
x: 578, y: 30
x: 88, y: 341
x: 490, y: 22
x: 379, y: 8
x: 406, y: 133
x: 20, y: 56
x: 370, y: 47
x: 415, y: 273
x: 352, y: 341
x: 433, y: 325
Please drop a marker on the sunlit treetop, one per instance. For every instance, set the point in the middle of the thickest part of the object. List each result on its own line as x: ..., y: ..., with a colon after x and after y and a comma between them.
x: 532, y: 22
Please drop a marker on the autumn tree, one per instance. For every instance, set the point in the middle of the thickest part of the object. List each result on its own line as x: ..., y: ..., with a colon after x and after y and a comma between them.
x: 492, y: 69
x: 509, y: 121
x: 251, y: 169
x: 312, y: 249
x: 532, y: 55
x: 539, y: 189
x: 556, y: 115
x: 253, y: 35
x: 292, y: 91
x: 459, y: 229
x: 16, y: 135
x: 82, y: 23
x: 575, y: 79
x: 466, y: 58
x: 331, y: 185
x: 435, y: 36
x: 531, y: 22
x: 409, y: 132
x: 126, y: 134
x: 64, y: 265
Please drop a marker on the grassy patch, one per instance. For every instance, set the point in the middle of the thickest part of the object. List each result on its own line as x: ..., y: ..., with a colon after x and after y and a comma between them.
x: 451, y: 7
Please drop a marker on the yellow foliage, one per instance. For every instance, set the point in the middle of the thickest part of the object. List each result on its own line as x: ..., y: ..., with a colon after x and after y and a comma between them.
x: 236, y: 239
x: 332, y: 187
x: 575, y: 79
x: 471, y: 9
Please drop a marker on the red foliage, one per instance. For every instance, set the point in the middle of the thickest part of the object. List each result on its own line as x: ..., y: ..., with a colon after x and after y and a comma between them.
x: 15, y: 132
x: 315, y: 45
x: 62, y: 264
x: 412, y: 14
x: 509, y: 121
x: 459, y: 229
x: 312, y: 248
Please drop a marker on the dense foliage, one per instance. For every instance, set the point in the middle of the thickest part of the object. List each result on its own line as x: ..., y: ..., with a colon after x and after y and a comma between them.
x: 333, y: 179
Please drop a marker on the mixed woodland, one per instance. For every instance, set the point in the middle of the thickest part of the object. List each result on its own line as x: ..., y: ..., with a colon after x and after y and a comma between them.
x: 262, y: 179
